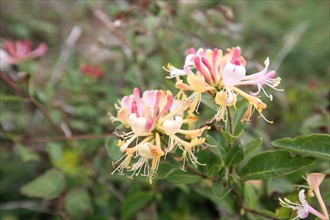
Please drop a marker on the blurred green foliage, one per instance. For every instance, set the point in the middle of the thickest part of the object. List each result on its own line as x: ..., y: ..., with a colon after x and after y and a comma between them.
x: 146, y: 35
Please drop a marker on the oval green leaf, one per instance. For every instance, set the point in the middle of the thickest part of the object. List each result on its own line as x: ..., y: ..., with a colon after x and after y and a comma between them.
x: 220, y: 190
x: 252, y: 146
x: 249, y: 196
x: 273, y: 164
x: 182, y: 177
x: 133, y: 203
x: 235, y: 155
x: 47, y: 186
x: 314, y: 145
x: 78, y: 204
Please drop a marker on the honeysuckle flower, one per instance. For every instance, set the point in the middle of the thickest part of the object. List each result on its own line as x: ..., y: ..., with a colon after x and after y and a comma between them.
x: 314, y: 180
x: 302, y: 208
x: 154, y: 115
x: 146, y: 152
x: 21, y: 50
x: 197, y: 84
x: 220, y: 75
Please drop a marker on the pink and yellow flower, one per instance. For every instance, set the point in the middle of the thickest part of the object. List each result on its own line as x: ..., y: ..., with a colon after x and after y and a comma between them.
x: 209, y: 71
x: 154, y: 115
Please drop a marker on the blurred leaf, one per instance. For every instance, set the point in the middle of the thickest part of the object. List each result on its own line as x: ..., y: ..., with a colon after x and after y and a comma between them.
x: 314, y: 122
x: 133, y: 203
x: 219, y: 190
x: 234, y: 155
x: 27, y: 154
x: 78, y: 124
x: 281, y: 185
x: 252, y: 146
x: 78, y: 204
x: 54, y: 150
x: 10, y: 98
x: 42, y: 26
x: 272, y: 164
x: 47, y: 186
x: 314, y: 145
x: 165, y: 169
x: 249, y: 196
x: 112, y: 149
x: 151, y: 22
x: 182, y: 177
x: 69, y: 162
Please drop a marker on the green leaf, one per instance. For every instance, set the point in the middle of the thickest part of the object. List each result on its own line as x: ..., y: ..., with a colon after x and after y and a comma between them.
x: 220, y: 190
x: 217, y: 147
x: 229, y: 137
x: 209, y: 101
x: 182, y: 177
x: 133, y: 203
x: 214, y: 165
x: 252, y: 146
x: 273, y: 164
x: 314, y: 145
x: 54, y: 150
x: 112, y: 149
x: 249, y: 196
x: 69, y: 162
x: 235, y: 155
x: 27, y: 154
x: 165, y: 169
x: 47, y: 186
x: 78, y: 204
x: 237, y: 117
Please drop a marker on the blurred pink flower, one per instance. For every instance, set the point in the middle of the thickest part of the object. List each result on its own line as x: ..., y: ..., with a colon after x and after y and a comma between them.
x: 20, y: 50
x: 91, y: 70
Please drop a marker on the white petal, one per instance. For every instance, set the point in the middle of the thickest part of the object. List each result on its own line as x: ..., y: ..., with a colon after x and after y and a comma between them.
x: 172, y: 126
x: 144, y: 151
x: 138, y: 124
x: 233, y: 74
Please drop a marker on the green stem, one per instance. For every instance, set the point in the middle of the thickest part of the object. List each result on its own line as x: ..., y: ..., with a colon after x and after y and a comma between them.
x: 231, y: 129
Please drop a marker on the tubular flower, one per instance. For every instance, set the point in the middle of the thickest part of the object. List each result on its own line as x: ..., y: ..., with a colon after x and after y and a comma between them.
x: 302, y: 208
x: 220, y: 75
x: 21, y: 50
x: 154, y: 115
x: 314, y: 180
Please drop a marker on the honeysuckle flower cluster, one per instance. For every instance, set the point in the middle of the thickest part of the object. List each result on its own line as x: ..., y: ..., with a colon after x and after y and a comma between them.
x: 303, y: 208
x: 154, y: 116
x: 15, y: 52
x: 157, y: 116
x: 222, y: 75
